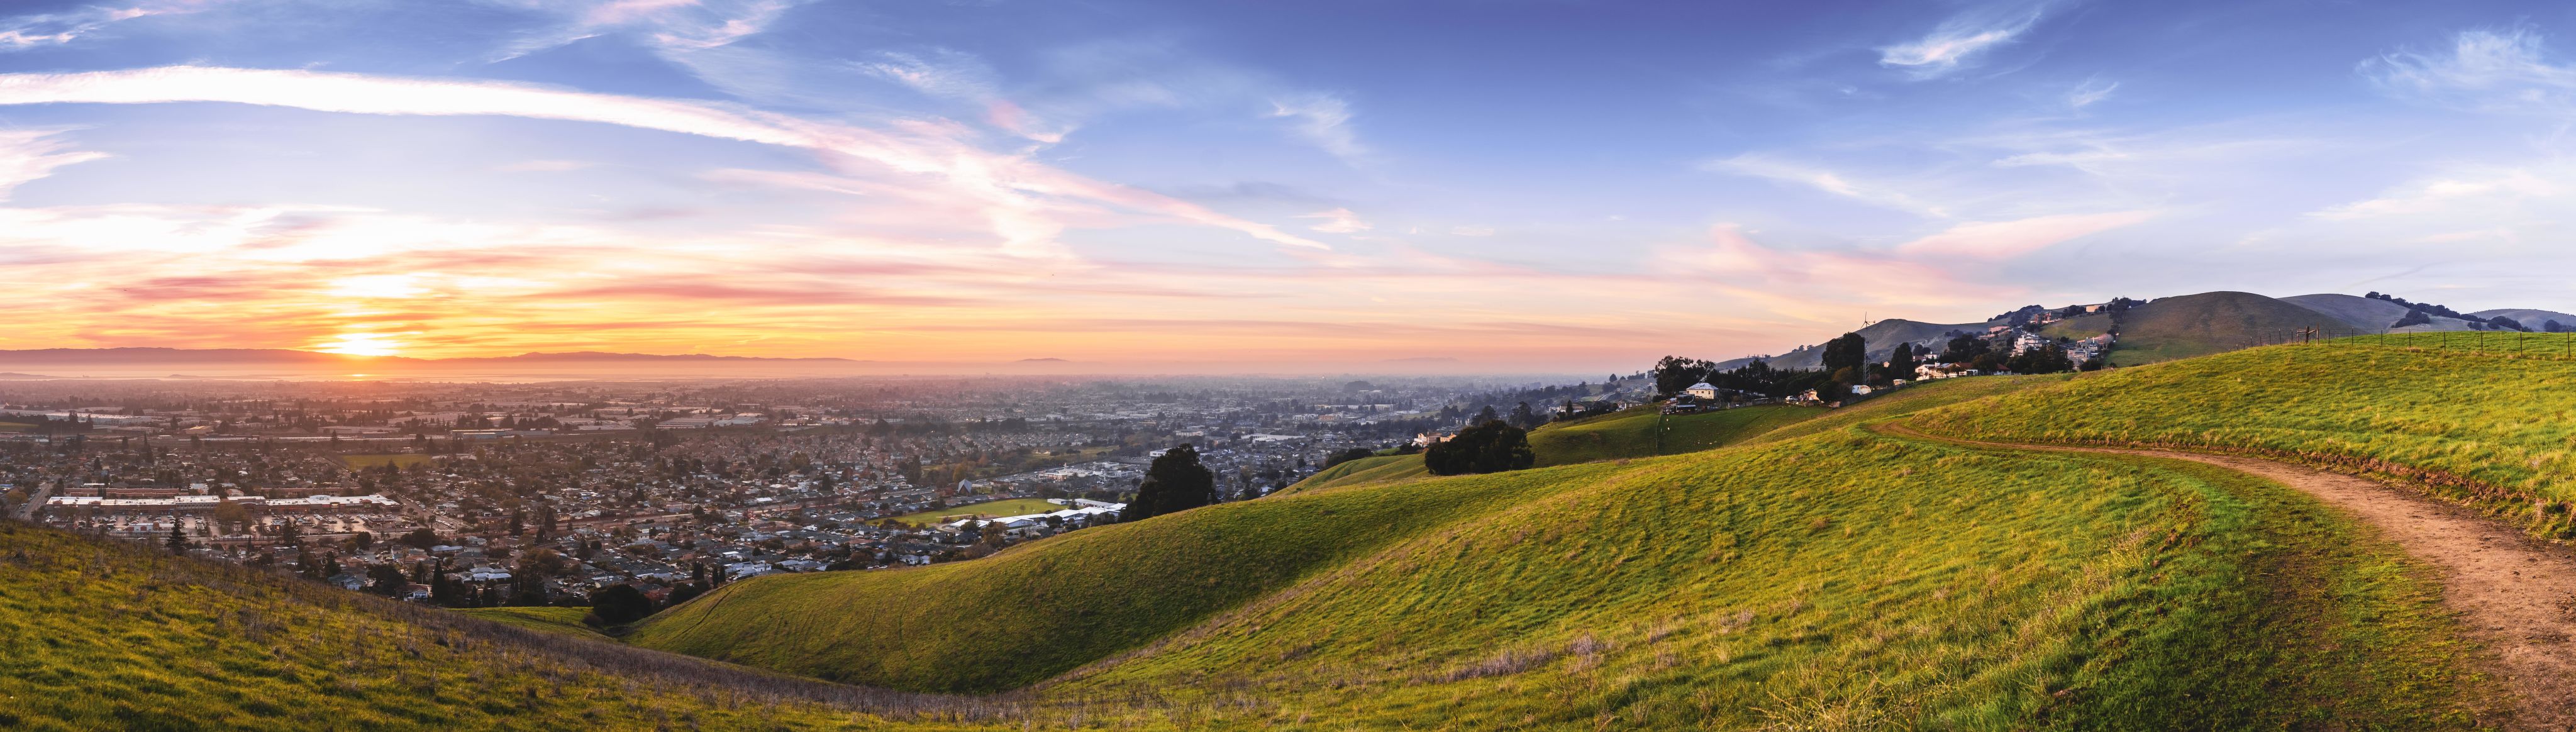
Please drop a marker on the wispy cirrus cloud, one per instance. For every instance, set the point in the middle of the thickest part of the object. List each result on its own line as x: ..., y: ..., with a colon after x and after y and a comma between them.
x: 2482, y: 70
x: 954, y: 76
x: 2464, y: 195
x: 54, y: 29
x: 1827, y: 180
x: 1337, y: 221
x: 2090, y: 92
x: 1995, y: 240
x: 1324, y: 121
x: 676, y: 26
x: 1012, y: 189
x: 1956, y: 43
x: 27, y: 155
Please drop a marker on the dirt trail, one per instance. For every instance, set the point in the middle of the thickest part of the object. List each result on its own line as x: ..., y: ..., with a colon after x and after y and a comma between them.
x: 2515, y: 593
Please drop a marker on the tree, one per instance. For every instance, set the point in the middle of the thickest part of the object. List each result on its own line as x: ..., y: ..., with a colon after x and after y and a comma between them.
x: 1485, y: 415
x: 2044, y: 360
x: 528, y: 590
x: 620, y: 604
x: 1491, y: 447
x: 178, y: 542
x: 363, y: 541
x: 1900, y: 365
x: 229, y: 514
x: 388, y: 579
x: 1846, y: 352
x: 1965, y: 349
x: 421, y: 538
x: 1176, y: 482
x: 543, y: 562
x: 1523, y: 418
x: 1674, y: 373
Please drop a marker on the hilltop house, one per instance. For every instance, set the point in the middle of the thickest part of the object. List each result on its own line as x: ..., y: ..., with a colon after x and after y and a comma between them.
x: 1702, y: 391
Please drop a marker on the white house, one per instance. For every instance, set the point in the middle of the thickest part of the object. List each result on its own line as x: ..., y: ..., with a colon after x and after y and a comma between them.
x: 1701, y: 390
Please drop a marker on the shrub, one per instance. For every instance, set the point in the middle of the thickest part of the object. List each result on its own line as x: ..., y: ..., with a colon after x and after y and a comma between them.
x: 1492, y: 447
x: 620, y: 604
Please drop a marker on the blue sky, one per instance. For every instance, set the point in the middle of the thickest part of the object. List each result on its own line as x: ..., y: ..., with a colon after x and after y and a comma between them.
x: 1276, y: 186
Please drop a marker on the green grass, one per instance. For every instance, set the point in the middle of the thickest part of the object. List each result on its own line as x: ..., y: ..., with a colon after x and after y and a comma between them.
x: 1908, y: 400
x: 1046, y: 607
x: 406, y: 460
x: 1848, y: 581
x: 101, y: 636
x: 987, y: 509
x: 1838, y: 580
x: 1631, y: 433
x: 558, y: 620
x: 2487, y: 429
x: 2540, y: 345
x: 2211, y: 322
x: 2079, y: 327
x: 1363, y: 471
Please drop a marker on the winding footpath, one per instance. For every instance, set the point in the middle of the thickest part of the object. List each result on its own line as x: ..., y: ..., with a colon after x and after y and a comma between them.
x: 2516, y: 594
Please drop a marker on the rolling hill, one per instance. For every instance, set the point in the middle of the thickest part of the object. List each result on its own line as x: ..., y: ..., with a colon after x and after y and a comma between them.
x: 2179, y: 327
x: 2533, y: 320
x: 2211, y: 322
x: 1378, y: 469
x: 95, y: 635
x: 2487, y: 428
x: 1817, y: 573
x: 1882, y: 337
x: 1840, y: 575
x: 2372, y: 315
x: 1040, y: 609
x: 1632, y: 433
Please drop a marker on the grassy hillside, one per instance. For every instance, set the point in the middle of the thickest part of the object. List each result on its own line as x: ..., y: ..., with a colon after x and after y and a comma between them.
x: 1906, y: 401
x: 1842, y: 579
x: 1364, y: 470
x: 558, y: 620
x: 1042, y: 608
x: 1631, y: 434
x: 102, y: 636
x: 2079, y: 327
x: 2210, y: 322
x: 2484, y: 427
x: 1845, y: 581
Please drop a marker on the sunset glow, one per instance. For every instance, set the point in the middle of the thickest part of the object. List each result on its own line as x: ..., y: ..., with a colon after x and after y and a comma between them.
x: 361, y: 344
x: 956, y: 200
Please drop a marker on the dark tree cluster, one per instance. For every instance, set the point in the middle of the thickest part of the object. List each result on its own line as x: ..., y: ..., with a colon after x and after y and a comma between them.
x: 1176, y: 482
x: 1753, y: 378
x: 2421, y: 313
x: 1492, y: 447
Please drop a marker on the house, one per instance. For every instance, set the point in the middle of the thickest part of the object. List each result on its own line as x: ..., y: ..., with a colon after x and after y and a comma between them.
x: 1861, y: 389
x: 2027, y: 342
x: 1701, y: 390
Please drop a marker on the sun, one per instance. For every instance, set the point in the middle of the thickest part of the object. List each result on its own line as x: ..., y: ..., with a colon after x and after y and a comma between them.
x: 361, y: 344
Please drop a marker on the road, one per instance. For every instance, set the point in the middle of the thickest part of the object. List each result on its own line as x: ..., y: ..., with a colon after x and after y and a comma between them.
x: 35, y: 503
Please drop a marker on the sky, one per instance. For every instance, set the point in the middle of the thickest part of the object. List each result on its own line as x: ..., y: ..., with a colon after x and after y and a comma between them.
x: 1485, y: 186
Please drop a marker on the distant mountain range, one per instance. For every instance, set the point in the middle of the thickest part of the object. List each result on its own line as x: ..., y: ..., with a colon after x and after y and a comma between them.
x: 2186, y: 325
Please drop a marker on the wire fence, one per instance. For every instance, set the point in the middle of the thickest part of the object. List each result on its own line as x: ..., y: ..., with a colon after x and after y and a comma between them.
x: 2554, y: 345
